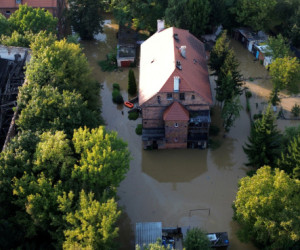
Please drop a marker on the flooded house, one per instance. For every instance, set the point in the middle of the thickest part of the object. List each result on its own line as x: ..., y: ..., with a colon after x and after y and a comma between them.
x: 174, y: 92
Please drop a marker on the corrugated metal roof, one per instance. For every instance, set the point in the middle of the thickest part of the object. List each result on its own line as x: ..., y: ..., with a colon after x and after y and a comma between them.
x: 147, y: 232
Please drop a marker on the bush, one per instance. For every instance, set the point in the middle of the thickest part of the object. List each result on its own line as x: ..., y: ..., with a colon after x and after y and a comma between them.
x: 133, y: 115
x: 132, y: 89
x: 196, y: 239
x: 257, y: 116
x: 117, y: 97
x: 116, y: 86
x: 139, y: 129
x: 214, y: 130
x: 248, y: 94
x: 296, y: 110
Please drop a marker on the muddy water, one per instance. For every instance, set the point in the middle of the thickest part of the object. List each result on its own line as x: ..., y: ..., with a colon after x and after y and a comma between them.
x: 179, y: 187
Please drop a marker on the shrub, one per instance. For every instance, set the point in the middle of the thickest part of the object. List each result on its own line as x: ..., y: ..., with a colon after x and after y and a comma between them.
x: 196, y: 239
x: 248, y: 94
x: 117, y: 97
x: 116, y: 86
x: 296, y: 110
x: 214, y: 130
x: 257, y: 116
x: 139, y: 129
x: 133, y: 115
x: 132, y: 89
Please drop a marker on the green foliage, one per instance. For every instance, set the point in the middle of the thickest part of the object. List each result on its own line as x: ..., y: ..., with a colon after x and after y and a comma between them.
x: 62, y: 65
x: 4, y: 26
x: 296, y: 110
x: 278, y: 47
x: 139, y: 129
x: 257, y: 116
x: 110, y: 64
x: 248, y: 94
x: 264, y: 144
x: 267, y: 208
x: 32, y: 19
x: 116, y: 86
x: 274, y: 99
x: 85, y: 17
x: 154, y: 246
x: 230, y: 112
x: 83, y: 232
x: 61, y: 192
x: 253, y: 13
x: 73, y: 38
x: 132, y: 88
x: 17, y: 39
x: 285, y: 73
x: 44, y: 108
x: 196, y: 239
x: 133, y: 115
x: 290, y: 159
x: 117, y: 97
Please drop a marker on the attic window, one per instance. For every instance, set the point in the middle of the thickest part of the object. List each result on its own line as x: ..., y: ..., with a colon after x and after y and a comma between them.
x: 176, y: 37
x: 152, y: 61
x: 178, y: 65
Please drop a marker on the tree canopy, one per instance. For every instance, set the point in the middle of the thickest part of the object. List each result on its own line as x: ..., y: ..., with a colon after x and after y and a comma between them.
x: 4, y: 26
x: 267, y: 208
x: 196, y: 239
x: 61, y: 192
x: 27, y: 18
x: 264, y: 145
x: 85, y: 17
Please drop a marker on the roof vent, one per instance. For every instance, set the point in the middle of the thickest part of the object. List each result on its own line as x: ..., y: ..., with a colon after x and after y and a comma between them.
x: 183, y: 51
x: 176, y: 83
x: 176, y: 37
x: 178, y: 65
x: 160, y: 25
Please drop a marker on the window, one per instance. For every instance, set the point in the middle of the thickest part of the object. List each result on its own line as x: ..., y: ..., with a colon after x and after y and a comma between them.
x: 18, y: 1
x: 193, y: 97
x: 7, y: 12
x: 176, y: 125
x: 158, y: 99
x: 181, y: 96
x: 169, y: 96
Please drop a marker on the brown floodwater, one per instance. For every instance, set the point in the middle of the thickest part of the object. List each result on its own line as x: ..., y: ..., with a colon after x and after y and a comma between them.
x: 177, y: 187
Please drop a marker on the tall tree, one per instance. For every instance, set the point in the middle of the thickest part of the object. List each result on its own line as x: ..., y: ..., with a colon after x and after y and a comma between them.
x: 290, y: 159
x: 278, y: 47
x: 4, y: 26
x: 85, y: 17
x: 62, y: 65
x: 44, y: 108
x: 267, y: 208
x: 253, y: 13
x: 31, y: 19
x: 285, y: 73
x: 264, y: 145
x: 132, y: 88
x: 230, y: 112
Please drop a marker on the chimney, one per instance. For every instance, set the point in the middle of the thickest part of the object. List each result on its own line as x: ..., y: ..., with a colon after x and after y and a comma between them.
x: 160, y: 25
x: 183, y: 51
x: 176, y: 83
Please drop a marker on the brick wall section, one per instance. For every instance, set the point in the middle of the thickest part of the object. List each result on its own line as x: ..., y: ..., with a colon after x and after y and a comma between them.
x: 176, y: 135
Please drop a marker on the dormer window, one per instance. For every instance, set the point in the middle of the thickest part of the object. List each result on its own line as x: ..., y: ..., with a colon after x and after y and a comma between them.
x: 182, y: 96
x: 158, y: 99
x: 169, y: 96
x: 178, y: 65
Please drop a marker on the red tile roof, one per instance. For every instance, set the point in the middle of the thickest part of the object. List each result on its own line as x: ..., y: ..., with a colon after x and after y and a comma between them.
x: 176, y: 112
x: 159, y: 54
x: 32, y: 3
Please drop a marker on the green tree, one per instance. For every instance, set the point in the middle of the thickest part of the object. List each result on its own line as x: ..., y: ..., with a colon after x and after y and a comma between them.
x: 219, y: 53
x: 32, y: 19
x: 154, y: 246
x: 92, y: 224
x: 44, y: 108
x: 278, y: 47
x: 64, y: 66
x: 85, y: 17
x: 132, y: 88
x: 290, y: 159
x: 264, y: 145
x: 267, y: 208
x: 230, y: 112
x: 196, y: 239
x: 4, y: 26
x: 175, y: 14
x: 253, y: 13
x: 285, y: 73
x: 104, y: 160
x: 17, y: 39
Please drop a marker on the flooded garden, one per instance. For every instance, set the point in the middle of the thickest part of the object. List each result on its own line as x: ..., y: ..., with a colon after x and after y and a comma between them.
x: 181, y: 188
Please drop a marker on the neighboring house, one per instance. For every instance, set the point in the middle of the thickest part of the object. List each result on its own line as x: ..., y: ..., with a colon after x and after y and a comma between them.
x: 174, y: 91
x: 261, y: 53
x: 7, y: 7
x: 126, y: 48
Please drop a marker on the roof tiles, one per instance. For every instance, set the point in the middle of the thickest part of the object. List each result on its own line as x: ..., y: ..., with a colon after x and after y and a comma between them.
x: 176, y: 112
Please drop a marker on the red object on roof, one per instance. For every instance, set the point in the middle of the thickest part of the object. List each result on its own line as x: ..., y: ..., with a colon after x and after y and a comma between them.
x: 159, y: 55
x: 176, y: 112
